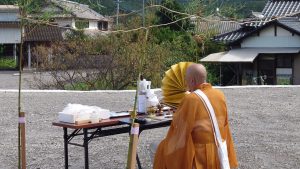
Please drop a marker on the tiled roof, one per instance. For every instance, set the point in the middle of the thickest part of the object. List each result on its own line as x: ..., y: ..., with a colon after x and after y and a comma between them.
x: 9, y: 22
x: 43, y: 33
x: 231, y: 36
x: 79, y: 10
x: 275, y: 8
x: 217, y: 27
x: 291, y: 23
x: 274, y: 11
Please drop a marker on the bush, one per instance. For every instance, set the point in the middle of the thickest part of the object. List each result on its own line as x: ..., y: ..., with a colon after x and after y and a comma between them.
x: 106, y: 62
x: 6, y: 63
x: 114, y: 61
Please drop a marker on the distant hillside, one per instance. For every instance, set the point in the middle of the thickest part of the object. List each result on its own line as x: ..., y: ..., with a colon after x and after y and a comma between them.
x: 108, y: 7
x: 132, y: 5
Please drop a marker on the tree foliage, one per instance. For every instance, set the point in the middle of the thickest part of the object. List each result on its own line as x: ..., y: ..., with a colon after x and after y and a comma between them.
x: 106, y: 62
x: 166, y: 16
x: 114, y: 61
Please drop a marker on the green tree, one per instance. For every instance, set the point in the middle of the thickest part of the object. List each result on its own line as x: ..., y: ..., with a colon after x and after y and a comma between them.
x: 8, y: 2
x: 234, y: 11
x: 166, y: 16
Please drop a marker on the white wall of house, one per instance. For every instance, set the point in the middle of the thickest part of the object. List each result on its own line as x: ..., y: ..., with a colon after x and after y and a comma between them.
x: 296, y: 79
x: 10, y: 35
x: 109, y: 26
x: 267, y: 32
x: 283, y: 32
x: 73, y: 23
x: 267, y: 38
x: 9, y: 16
x: 93, y: 24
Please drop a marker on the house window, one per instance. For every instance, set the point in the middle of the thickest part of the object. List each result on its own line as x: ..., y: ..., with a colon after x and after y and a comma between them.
x: 266, y: 68
x: 284, y: 71
x: 103, y: 26
x: 284, y: 61
x: 6, y: 50
x: 284, y: 76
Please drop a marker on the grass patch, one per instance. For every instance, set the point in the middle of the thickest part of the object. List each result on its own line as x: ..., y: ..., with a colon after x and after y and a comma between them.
x: 283, y: 81
x: 96, y: 85
x: 77, y: 86
x: 7, y: 63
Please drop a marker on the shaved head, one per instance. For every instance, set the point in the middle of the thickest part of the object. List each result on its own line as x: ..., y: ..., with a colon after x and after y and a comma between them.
x: 195, y: 75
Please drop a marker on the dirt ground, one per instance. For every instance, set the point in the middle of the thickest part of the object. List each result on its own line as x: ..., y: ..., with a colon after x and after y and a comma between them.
x: 265, y: 123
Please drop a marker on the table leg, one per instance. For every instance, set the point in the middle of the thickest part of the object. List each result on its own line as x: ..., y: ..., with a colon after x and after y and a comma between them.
x: 86, y: 148
x: 137, y: 156
x: 66, y: 147
x: 138, y: 162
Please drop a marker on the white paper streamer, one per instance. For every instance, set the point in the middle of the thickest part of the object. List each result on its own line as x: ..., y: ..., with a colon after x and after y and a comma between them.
x: 22, y: 120
x: 134, y: 130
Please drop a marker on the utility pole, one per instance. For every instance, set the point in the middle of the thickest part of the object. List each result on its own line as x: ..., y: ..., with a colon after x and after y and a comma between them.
x: 143, y: 13
x: 118, y: 8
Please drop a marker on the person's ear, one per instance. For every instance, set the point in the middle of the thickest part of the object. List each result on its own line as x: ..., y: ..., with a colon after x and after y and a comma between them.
x: 193, y: 82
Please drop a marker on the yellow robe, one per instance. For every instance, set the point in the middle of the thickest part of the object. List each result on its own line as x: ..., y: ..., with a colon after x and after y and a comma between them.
x: 190, y: 143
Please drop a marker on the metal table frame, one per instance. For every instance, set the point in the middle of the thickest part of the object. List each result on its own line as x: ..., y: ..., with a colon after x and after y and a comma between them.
x: 101, y: 129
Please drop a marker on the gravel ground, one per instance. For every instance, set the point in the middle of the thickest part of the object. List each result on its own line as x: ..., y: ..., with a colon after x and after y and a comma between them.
x: 264, y: 122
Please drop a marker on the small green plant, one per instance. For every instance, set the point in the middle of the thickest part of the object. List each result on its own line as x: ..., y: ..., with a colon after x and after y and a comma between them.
x: 283, y: 81
x: 7, y: 63
x: 77, y: 86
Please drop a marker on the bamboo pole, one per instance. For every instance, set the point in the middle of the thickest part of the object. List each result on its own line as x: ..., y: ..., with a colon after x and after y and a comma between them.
x: 21, y: 124
x: 22, y: 139
x: 19, y: 97
x: 134, y: 134
x: 131, y: 155
x: 132, y: 116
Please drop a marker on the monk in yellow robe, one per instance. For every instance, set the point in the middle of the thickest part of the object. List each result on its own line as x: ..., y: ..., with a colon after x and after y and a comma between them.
x: 190, y: 142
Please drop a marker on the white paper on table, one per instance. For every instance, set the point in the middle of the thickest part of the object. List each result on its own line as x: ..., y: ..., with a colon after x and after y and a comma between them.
x: 73, y: 112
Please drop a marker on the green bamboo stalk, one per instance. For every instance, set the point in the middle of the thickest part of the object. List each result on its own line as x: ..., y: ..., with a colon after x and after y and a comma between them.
x: 133, y: 116
x: 22, y: 13
x: 134, y: 112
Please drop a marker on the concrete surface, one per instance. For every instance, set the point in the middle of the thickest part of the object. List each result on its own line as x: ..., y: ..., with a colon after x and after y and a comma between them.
x: 265, y: 122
